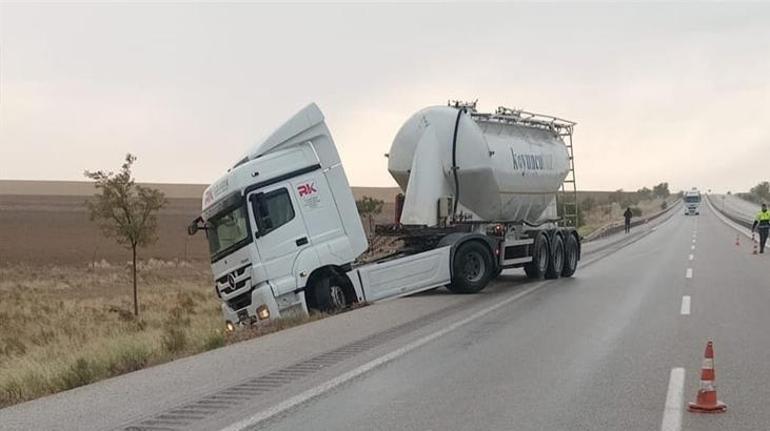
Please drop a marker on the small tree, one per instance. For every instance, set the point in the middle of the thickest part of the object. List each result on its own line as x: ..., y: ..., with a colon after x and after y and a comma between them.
x: 368, y: 207
x: 761, y: 192
x: 644, y: 193
x: 661, y: 191
x: 125, y: 211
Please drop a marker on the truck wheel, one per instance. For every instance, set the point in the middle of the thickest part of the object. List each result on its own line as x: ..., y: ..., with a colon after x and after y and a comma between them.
x: 556, y: 262
x: 570, y: 256
x: 329, y: 295
x: 540, y: 259
x: 471, y: 268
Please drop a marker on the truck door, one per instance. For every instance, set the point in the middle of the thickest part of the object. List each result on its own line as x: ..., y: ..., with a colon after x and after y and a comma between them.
x: 280, y: 234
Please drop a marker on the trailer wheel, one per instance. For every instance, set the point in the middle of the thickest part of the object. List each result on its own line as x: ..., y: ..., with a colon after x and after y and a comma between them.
x: 471, y: 268
x: 556, y: 262
x: 328, y: 295
x: 570, y: 256
x: 540, y: 258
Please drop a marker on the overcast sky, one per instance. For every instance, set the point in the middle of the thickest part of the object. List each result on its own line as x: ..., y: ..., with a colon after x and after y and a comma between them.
x: 661, y: 92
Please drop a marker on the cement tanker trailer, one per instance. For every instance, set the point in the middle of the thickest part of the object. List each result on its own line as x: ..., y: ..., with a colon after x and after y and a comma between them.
x: 492, y: 167
x: 479, y: 196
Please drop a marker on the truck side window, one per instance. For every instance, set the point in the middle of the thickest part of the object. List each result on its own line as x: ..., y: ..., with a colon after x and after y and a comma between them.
x: 274, y: 210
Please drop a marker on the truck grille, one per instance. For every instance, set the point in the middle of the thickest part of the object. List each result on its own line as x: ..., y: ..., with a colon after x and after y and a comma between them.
x: 241, y: 301
x: 233, y: 281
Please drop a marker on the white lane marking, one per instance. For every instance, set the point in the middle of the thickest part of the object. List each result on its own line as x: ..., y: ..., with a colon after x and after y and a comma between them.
x: 692, y: 247
x: 382, y: 360
x: 693, y: 240
x: 688, y: 274
x: 672, y: 413
x: 685, y: 311
x: 691, y: 257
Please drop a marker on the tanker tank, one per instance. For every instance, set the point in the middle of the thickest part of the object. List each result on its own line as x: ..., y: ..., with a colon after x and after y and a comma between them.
x: 505, y: 166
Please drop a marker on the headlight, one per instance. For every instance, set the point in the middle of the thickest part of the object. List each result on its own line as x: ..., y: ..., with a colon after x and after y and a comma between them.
x: 229, y: 326
x: 263, y: 313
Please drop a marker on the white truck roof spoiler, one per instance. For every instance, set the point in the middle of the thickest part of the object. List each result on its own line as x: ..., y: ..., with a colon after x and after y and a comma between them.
x: 303, y: 120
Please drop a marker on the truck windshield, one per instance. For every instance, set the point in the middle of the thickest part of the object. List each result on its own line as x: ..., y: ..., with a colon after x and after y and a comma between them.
x: 228, y: 231
x: 692, y: 199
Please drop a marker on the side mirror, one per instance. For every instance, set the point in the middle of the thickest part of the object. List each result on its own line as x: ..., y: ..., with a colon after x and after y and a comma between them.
x: 194, y: 227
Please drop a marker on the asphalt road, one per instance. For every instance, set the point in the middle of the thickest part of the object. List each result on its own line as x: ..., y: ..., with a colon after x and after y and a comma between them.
x: 595, y: 352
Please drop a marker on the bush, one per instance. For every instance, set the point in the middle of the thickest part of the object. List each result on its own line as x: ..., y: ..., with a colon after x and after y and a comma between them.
x: 213, y: 341
x: 185, y: 302
x: 129, y: 358
x: 11, y: 392
x: 174, y: 338
x: 82, y: 372
x: 636, y: 211
x: 664, y: 205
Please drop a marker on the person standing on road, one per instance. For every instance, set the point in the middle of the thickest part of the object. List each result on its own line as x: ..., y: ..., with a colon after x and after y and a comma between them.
x: 762, y: 222
x: 627, y: 215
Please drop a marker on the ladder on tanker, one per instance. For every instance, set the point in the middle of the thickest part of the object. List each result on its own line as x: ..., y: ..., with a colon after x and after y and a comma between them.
x: 568, y: 198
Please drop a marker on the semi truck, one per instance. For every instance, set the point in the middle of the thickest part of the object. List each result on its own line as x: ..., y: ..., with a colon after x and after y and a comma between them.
x: 692, y: 199
x: 479, y: 196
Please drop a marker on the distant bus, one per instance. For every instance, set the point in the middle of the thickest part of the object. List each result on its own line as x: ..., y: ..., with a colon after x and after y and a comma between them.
x: 692, y: 200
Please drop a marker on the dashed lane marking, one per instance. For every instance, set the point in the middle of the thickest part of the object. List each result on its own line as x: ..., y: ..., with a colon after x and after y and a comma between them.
x: 672, y: 412
x: 685, y: 310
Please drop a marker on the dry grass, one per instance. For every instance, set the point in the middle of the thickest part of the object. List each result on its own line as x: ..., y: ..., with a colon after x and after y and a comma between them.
x: 602, y: 215
x: 63, y: 327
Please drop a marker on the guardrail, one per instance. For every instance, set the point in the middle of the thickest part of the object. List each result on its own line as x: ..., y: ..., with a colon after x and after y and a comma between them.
x: 735, y: 218
x: 615, y: 227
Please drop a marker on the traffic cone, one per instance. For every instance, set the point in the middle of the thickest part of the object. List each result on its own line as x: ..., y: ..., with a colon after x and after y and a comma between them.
x: 706, y: 401
x: 737, y: 240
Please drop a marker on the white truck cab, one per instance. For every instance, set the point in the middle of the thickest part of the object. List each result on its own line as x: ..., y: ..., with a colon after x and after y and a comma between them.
x: 692, y: 200
x: 283, y: 214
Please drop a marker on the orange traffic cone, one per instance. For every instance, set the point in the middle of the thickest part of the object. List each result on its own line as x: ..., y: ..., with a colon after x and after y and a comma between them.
x: 706, y: 401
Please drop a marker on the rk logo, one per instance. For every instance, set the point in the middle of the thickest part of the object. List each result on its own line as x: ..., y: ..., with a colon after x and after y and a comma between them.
x: 306, y: 189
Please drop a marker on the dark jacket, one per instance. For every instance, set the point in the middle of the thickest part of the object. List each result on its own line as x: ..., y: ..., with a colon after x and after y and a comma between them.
x: 628, y: 214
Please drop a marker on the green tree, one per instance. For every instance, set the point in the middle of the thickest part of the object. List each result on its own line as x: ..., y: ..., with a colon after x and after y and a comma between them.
x: 644, y: 193
x: 125, y: 211
x: 761, y: 191
x: 369, y: 207
x: 661, y: 191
